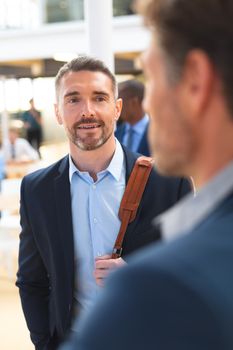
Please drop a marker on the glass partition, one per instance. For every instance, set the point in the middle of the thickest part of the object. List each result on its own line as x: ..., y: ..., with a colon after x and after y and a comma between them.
x: 122, y: 7
x: 64, y: 10
x: 18, y: 14
x: 70, y: 10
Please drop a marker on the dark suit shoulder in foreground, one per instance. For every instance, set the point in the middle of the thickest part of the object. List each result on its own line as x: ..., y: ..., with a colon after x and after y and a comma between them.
x: 173, y: 296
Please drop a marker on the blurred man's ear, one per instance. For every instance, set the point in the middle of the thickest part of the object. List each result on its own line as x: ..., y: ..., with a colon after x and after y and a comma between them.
x: 197, y: 80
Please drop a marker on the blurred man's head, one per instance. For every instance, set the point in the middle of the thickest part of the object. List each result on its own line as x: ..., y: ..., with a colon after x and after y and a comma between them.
x: 31, y: 101
x: 132, y: 93
x: 182, y: 26
x: 13, y: 134
x: 189, y: 87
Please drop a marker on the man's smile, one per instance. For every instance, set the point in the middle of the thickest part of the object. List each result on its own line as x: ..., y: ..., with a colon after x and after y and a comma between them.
x: 89, y: 126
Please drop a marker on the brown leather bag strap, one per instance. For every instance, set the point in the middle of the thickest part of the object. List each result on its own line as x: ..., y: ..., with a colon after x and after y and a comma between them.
x: 131, y: 199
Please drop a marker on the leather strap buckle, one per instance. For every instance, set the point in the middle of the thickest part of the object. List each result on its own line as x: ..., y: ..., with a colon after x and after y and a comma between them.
x: 117, y: 252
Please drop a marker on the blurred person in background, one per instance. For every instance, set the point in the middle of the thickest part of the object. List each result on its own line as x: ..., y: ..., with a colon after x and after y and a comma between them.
x: 178, y: 295
x: 133, y: 130
x: 33, y: 125
x: 69, y: 211
x: 17, y: 149
x: 2, y: 167
x: 2, y: 162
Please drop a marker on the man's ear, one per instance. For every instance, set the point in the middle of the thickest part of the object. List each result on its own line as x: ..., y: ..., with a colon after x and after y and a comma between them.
x: 56, y: 109
x: 118, y: 108
x: 197, y: 81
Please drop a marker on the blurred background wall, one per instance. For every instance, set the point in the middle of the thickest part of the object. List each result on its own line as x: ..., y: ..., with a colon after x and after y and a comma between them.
x: 38, y: 36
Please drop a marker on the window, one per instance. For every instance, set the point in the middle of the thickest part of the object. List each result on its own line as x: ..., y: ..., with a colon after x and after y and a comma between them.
x: 71, y: 10
x: 64, y: 10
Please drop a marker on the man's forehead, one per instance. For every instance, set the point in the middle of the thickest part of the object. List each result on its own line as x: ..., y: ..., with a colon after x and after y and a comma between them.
x: 94, y: 76
x: 85, y: 82
x: 86, y: 79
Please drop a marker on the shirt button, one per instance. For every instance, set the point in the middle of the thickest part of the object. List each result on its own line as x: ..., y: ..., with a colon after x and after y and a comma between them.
x: 94, y: 187
x: 95, y: 220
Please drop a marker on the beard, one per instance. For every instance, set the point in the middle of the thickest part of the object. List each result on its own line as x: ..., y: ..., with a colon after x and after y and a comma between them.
x: 173, y: 148
x: 89, y: 142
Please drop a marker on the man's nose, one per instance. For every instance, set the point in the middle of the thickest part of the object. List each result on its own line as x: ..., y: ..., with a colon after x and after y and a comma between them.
x: 87, y: 110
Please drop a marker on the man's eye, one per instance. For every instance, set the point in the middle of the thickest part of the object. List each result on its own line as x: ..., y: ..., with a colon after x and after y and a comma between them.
x: 73, y: 100
x: 100, y: 98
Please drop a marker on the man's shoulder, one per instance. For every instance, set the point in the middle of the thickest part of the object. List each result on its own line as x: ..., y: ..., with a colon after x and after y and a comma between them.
x: 25, y: 114
x: 208, y: 241
x: 48, y: 173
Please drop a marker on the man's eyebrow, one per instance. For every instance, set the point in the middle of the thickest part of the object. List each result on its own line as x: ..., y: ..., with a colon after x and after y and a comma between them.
x: 100, y: 93
x: 71, y: 93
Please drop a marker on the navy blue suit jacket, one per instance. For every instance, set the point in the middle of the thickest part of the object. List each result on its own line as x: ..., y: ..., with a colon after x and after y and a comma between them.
x: 143, y: 147
x: 171, y: 296
x: 46, y: 257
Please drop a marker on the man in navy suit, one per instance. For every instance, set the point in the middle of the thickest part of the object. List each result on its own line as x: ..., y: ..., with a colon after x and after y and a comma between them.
x: 178, y: 294
x: 132, y: 132
x: 69, y: 211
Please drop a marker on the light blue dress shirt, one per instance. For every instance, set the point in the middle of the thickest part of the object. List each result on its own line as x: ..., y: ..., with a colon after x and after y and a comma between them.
x: 138, y: 131
x: 95, y: 207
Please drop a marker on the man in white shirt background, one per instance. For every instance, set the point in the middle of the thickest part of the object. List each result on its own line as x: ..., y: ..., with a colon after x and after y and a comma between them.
x: 17, y: 149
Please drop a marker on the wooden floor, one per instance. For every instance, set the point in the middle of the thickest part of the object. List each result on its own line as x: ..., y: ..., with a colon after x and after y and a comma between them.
x: 13, y: 331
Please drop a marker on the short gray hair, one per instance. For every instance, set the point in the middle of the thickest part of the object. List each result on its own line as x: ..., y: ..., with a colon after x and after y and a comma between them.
x: 85, y: 63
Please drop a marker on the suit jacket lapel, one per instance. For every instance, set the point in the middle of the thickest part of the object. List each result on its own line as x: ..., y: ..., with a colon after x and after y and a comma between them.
x: 143, y: 145
x: 130, y: 159
x: 64, y: 215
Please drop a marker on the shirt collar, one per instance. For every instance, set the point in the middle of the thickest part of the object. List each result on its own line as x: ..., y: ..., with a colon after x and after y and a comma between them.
x: 191, y: 210
x: 117, y: 162
x: 140, y: 126
x: 114, y: 168
x: 72, y: 168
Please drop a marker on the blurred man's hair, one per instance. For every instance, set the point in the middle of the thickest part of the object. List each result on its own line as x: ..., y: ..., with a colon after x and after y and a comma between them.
x: 131, y: 88
x: 85, y: 63
x: 183, y: 25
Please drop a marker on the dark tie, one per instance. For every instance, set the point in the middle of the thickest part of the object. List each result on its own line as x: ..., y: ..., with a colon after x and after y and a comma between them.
x: 129, y: 140
x: 13, y: 155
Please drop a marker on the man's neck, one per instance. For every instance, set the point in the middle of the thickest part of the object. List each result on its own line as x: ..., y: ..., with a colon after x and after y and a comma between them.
x: 212, y: 146
x: 93, y: 161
